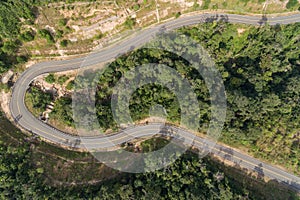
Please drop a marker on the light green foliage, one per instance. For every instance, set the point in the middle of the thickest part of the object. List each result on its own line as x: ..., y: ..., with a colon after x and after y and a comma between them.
x: 70, y: 85
x: 62, y: 22
x: 136, y: 7
x: 62, y: 79
x: 129, y: 23
x: 206, y: 4
x: 9, y: 47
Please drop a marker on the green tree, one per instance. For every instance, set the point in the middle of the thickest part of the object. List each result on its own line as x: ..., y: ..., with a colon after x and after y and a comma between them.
x: 50, y: 78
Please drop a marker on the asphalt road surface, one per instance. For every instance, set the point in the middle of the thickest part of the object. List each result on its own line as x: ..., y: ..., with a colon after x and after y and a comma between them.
x: 25, y: 119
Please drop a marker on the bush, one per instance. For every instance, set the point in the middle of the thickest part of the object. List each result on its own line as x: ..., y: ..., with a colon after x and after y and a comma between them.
x: 291, y: 4
x: 9, y: 47
x: 50, y: 78
x: 21, y: 59
x: 59, y: 33
x: 44, y: 33
x: 64, y: 43
x: 62, y: 22
x: 27, y: 36
x: 129, y: 23
x: 99, y: 36
x: 70, y: 85
x: 177, y: 14
x: 206, y: 4
x: 136, y: 7
x: 62, y: 79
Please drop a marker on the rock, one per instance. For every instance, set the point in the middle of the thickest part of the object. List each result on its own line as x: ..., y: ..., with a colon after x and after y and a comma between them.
x: 7, y: 76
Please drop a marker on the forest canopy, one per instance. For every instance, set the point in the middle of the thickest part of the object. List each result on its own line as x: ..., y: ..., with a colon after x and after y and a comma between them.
x: 260, y: 70
x: 24, y: 175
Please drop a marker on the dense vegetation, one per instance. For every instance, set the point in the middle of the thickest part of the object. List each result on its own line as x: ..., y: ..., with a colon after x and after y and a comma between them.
x: 37, y: 100
x: 24, y: 177
x: 261, y: 76
x: 14, y: 14
x: 260, y: 69
x: 11, y: 15
x: 63, y: 111
x: 292, y: 4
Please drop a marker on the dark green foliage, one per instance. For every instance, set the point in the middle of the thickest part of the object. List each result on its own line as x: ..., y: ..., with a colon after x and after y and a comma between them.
x: 187, y: 178
x: 149, y: 95
x: 63, y: 111
x: 260, y: 69
x: 292, y: 4
x: 44, y: 33
x: 59, y: 33
x: 39, y: 99
x: 50, y: 78
x: 27, y: 36
x: 21, y: 59
x: 177, y: 14
x: 262, y: 87
x: 11, y: 11
x: 3, y: 67
x: 17, y: 173
x: 64, y: 43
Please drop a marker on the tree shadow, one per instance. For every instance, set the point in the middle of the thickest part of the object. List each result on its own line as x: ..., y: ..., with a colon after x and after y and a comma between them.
x: 263, y: 20
x: 217, y: 17
x: 259, y: 170
x: 228, y: 153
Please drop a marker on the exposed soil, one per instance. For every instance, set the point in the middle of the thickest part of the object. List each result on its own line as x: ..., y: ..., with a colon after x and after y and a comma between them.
x: 4, y: 101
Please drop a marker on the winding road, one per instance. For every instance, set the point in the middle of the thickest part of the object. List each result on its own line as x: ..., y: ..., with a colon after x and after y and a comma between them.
x: 26, y: 120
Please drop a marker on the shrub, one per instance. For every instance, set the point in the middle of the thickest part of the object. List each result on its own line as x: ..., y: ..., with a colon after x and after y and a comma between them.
x: 62, y: 79
x: 64, y: 43
x: 27, y: 36
x: 291, y: 4
x: 62, y: 22
x: 50, y: 78
x: 44, y: 33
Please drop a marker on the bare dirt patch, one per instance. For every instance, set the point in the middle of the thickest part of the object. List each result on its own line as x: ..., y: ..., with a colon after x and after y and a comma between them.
x: 241, y: 31
x: 4, y: 100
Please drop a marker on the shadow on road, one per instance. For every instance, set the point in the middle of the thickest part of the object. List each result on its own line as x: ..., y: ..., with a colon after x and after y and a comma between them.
x: 263, y: 20
x: 220, y: 18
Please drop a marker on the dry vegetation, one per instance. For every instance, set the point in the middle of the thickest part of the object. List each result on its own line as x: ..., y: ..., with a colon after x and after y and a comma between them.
x: 79, y: 27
